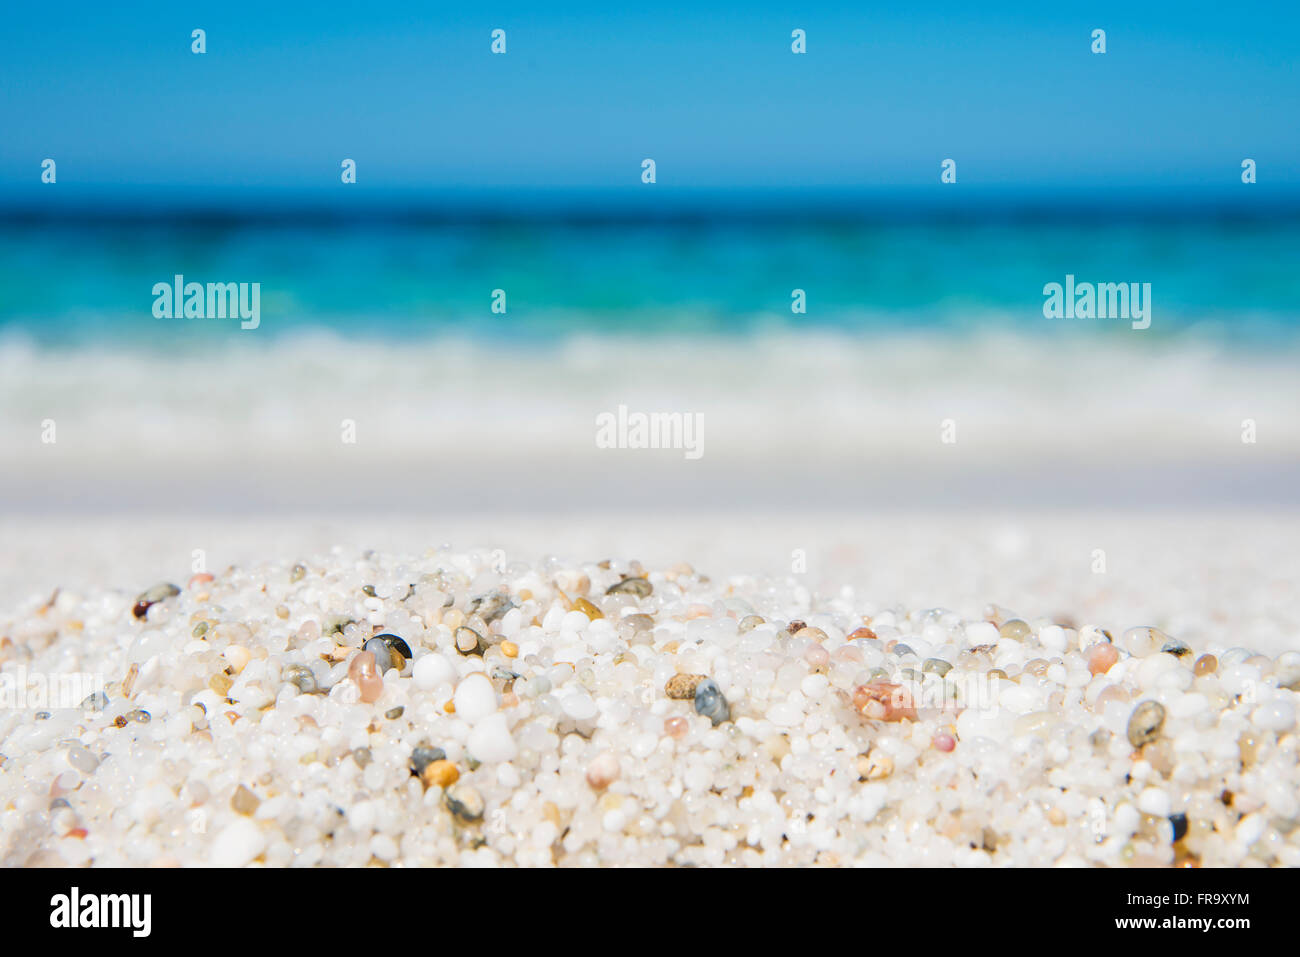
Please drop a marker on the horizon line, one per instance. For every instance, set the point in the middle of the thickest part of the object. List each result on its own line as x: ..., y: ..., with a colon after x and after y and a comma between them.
x: 621, y: 205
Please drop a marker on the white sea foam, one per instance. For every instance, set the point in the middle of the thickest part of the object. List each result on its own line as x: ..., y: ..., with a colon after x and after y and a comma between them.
x: 275, y: 410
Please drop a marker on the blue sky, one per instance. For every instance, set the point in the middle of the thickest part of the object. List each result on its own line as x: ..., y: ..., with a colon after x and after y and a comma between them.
x: 412, y: 93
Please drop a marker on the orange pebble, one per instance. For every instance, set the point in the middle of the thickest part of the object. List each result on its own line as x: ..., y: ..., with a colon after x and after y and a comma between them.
x: 1101, y: 657
x: 442, y: 773
x: 509, y: 649
x: 363, y: 671
x: 884, y: 701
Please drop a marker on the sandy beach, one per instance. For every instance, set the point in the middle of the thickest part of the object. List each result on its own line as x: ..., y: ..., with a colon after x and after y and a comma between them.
x: 919, y: 689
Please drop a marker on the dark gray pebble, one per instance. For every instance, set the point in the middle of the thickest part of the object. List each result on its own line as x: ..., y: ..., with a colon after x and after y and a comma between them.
x: 710, y: 702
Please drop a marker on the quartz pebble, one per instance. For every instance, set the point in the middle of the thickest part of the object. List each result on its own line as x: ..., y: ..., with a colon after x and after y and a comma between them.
x: 1140, y: 642
x: 603, y: 771
x: 382, y: 655
x: 238, y: 844
x: 468, y: 641
x: 1277, y: 715
x: 475, y: 698
x: 874, y: 766
x: 431, y: 671
x: 490, y: 740
x: 1145, y: 723
x: 238, y: 657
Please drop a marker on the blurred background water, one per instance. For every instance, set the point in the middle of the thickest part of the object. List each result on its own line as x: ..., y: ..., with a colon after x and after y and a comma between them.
x: 775, y: 172
x: 84, y: 278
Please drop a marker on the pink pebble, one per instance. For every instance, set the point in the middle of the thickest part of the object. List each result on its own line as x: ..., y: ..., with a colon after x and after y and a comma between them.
x: 363, y: 671
x: 848, y: 653
x: 944, y: 741
x: 202, y: 578
x: 816, y: 655
x: 676, y: 727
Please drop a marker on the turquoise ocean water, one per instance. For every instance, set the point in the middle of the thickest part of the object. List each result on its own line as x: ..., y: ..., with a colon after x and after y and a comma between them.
x: 66, y: 283
x: 383, y: 318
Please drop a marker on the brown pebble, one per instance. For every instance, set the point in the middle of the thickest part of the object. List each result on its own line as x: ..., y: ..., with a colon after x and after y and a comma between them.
x: 1248, y: 748
x: 587, y: 608
x: 220, y: 683
x: 1206, y: 665
x: 245, y: 801
x: 682, y: 686
x: 858, y: 633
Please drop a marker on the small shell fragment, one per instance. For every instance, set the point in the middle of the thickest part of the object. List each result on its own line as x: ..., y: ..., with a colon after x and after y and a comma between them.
x: 682, y: 687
